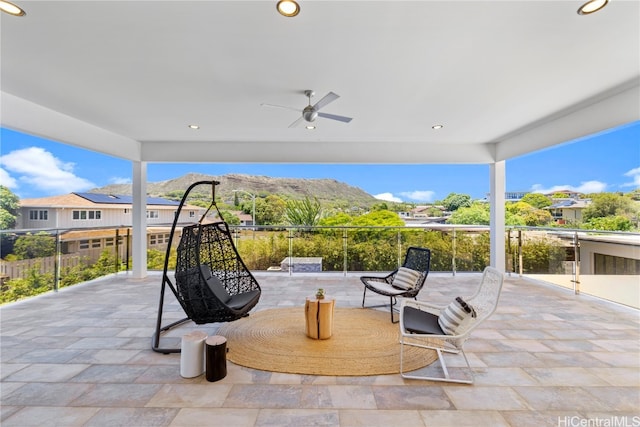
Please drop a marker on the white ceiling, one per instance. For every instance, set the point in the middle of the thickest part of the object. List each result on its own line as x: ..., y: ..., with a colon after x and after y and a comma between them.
x: 504, y: 77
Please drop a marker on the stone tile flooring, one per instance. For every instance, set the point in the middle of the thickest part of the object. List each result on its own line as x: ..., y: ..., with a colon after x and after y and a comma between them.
x: 547, y: 357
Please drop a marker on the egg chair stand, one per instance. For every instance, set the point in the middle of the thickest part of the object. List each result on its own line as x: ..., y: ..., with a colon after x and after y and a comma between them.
x: 212, y: 283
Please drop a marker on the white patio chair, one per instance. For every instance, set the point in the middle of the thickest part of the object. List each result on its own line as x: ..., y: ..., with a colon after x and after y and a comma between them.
x: 445, y: 329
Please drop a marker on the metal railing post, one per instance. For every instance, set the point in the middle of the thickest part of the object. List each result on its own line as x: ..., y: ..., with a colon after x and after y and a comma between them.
x: 453, y: 252
x: 58, y: 261
x: 576, y: 263
x: 520, y: 269
x: 344, y: 251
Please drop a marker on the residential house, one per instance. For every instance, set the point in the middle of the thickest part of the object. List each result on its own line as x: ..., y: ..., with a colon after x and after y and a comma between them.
x: 91, y: 222
x: 568, y: 211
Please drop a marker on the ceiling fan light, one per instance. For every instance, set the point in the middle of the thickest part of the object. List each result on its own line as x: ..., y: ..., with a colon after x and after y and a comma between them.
x: 11, y: 8
x: 592, y: 6
x: 288, y: 8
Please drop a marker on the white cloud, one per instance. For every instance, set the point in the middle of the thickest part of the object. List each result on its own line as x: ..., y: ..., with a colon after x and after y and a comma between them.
x: 584, y: 187
x: 635, y: 176
x: 119, y: 180
x: 419, y: 196
x: 7, y: 180
x: 40, y: 169
x: 388, y: 197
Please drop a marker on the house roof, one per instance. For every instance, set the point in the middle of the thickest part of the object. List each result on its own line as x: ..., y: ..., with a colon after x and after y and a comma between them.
x: 570, y: 204
x: 93, y: 200
x: 124, y: 199
x: 505, y: 78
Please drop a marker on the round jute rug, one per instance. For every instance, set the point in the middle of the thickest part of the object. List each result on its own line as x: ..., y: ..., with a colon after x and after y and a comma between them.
x: 364, y: 342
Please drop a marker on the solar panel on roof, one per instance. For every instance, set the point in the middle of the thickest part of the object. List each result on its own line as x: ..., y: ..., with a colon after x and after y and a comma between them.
x: 124, y: 199
x: 563, y: 204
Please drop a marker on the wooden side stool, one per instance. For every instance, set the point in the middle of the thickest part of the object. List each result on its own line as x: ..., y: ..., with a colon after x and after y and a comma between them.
x: 319, y: 317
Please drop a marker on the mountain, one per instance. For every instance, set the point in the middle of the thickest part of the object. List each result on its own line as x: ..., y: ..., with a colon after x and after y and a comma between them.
x: 325, y: 190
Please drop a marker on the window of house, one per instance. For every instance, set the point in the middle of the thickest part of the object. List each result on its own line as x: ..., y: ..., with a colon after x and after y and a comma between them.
x: 38, y: 215
x: 84, y: 244
x: 95, y: 243
x: 109, y: 241
x: 192, y: 214
x: 86, y: 214
x: 153, y: 214
x: 609, y: 264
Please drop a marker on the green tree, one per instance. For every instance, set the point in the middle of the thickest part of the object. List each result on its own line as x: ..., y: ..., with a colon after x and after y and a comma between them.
x: 529, y: 214
x: 609, y: 223
x: 9, y: 208
x: 382, y: 206
x: 476, y: 214
x: 559, y: 196
x: 537, y: 200
x: 303, y: 212
x: 270, y: 210
x: 609, y: 204
x: 230, y: 218
x: 338, y: 219
x: 36, y: 245
x: 455, y: 201
x: 378, y: 218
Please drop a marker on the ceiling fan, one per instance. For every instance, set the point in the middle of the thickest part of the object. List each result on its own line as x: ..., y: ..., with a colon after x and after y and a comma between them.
x: 311, y: 112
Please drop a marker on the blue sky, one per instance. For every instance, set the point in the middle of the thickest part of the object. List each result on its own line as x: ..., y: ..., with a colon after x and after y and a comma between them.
x: 34, y: 167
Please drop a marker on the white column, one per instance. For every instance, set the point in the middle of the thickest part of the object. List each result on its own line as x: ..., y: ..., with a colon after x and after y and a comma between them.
x: 139, y: 219
x: 497, y: 179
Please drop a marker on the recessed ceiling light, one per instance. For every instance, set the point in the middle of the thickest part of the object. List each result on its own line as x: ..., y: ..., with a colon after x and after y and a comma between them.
x: 288, y: 8
x: 11, y: 8
x: 592, y: 6
x: 311, y: 127
x: 436, y: 127
x: 194, y: 127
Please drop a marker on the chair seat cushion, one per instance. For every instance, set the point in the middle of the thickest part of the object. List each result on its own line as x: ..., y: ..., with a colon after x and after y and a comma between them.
x: 421, y: 322
x: 385, y: 288
x: 239, y: 301
x: 406, y: 278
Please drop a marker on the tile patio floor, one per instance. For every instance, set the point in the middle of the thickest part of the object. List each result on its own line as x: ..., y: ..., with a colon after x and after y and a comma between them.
x: 547, y: 357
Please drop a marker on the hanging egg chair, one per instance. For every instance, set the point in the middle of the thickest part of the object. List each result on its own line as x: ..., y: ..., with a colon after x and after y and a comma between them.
x: 212, y: 283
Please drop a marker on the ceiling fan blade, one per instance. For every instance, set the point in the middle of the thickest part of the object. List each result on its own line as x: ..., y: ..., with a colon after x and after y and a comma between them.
x: 330, y: 97
x: 280, y: 106
x: 297, y: 122
x: 334, y: 117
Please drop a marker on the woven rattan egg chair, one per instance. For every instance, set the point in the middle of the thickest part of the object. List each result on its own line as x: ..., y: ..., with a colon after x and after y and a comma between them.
x: 212, y: 283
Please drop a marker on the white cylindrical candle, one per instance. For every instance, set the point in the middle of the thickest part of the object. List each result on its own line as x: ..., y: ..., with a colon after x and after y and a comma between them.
x: 192, y: 354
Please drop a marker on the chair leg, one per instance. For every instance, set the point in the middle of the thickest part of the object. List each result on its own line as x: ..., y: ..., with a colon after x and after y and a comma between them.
x: 447, y: 377
x: 391, y: 304
x: 363, y: 296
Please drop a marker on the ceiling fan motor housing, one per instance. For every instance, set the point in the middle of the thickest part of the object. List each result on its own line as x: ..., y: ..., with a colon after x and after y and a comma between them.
x: 309, y: 113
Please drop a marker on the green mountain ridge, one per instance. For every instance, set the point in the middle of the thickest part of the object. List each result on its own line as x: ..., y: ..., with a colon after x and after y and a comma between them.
x: 324, y: 189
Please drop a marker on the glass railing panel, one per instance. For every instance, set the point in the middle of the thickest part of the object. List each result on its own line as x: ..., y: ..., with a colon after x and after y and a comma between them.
x: 601, y: 264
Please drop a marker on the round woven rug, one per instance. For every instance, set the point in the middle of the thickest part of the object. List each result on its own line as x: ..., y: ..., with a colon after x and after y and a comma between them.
x: 364, y: 342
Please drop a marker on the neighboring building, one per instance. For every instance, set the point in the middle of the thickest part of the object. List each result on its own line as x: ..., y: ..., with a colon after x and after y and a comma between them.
x: 568, y: 193
x: 421, y: 215
x: 94, y: 210
x: 91, y: 222
x: 568, y: 211
x: 510, y: 196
